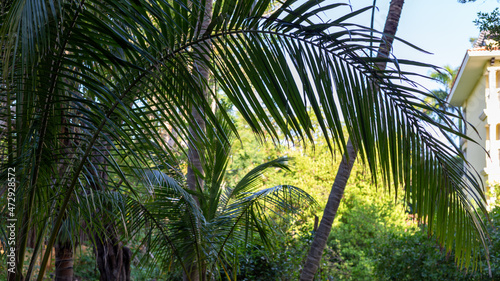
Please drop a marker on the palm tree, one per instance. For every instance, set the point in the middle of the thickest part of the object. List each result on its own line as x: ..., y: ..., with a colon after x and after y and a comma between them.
x: 445, y: 77
x: 220, y: 219
x: 122, y: 70
x: 313, y: 259
x: 195, y: 172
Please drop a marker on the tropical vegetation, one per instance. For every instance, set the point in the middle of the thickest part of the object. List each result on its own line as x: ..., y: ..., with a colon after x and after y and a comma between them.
x: 118, y: 119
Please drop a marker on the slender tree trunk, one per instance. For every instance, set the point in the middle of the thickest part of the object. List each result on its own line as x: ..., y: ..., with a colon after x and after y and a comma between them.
x: 64, y: 261
x: 113, y: 258
x: 325, y: 226
x: 390, y: 28
x: 64, y: 247
x: 318, y: 245
x: 195, y: 166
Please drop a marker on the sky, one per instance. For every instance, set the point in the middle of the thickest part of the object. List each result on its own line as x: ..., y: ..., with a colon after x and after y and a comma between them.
x: 442, y: 27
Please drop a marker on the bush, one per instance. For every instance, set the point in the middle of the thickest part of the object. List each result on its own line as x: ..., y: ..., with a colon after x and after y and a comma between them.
x: 414, y: 256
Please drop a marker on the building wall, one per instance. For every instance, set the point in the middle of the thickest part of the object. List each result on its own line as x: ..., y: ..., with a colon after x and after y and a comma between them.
x: 493, y: 121
x: 482, y: 110
x: 473, y: 109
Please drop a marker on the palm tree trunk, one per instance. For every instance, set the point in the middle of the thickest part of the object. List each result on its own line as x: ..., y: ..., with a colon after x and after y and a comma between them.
x: 64, y: 246
x: 195, y: 167
x: 318, y: 245
x: 113, y: 259
x: 64, y: 261
x: 390, y: 28
x: 195, y: 181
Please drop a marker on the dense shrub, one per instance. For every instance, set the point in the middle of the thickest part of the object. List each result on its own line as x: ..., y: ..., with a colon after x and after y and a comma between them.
x: 414, y: 256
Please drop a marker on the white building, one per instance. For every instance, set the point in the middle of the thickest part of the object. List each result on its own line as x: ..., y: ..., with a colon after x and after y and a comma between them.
x: 476, y: 90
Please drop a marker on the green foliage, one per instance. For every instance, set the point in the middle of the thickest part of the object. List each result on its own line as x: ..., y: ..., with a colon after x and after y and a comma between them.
x: 364, y: 219
x: 445, y: 77
x: 374, y: 236
x: 494, y: 246
x: 493, y: 190
x: 255, y: 264
x: 490, y: 22
x: 283, y: 262
x: 85, y: 267
x: 414, y: 256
